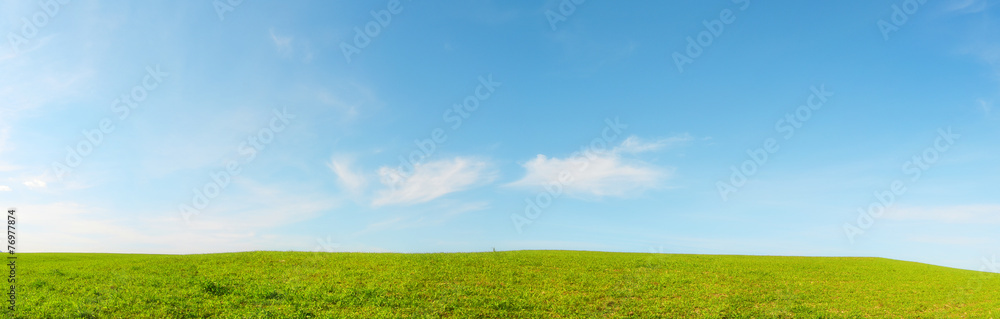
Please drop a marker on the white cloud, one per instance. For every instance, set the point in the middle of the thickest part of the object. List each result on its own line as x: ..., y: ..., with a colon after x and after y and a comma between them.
x: 432, y: 180
x: 35, y: 183
x: 633, y: 144
x: 4, y: 188
x: 600, y: 174
x: 959, y: 214
x: 351, y: 180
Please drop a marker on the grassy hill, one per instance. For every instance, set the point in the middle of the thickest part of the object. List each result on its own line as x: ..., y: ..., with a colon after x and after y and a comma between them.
x: 542, y: 284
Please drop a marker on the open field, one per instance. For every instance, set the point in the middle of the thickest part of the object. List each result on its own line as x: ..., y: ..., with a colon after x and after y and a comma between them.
x: 560, y: 284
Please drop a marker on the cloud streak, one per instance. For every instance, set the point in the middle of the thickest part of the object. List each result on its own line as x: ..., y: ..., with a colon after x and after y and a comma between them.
x: 596, y: 174
x: 283, y: 44
x: 348, y: 179
x: 959, y: 214
x: 969, y: 6
x: 432, y: 180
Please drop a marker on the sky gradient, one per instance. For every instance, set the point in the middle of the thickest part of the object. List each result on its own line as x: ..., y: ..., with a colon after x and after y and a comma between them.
x: 850, y: 128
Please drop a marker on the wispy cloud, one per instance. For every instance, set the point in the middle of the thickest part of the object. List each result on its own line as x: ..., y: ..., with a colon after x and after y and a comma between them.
x: 68, y: 226
x: 951, y: 240
x: 601, y: 173
x: 282, y: 43
x: 432, y: 180
x: 350, y: 109
x: 4, y: 137
x: 986, y: 107
x: 988, y: 53
x: 36, y: 81
x: 76, y: 227
x: 260, y: 206
x: 4, y: 188
x: 353, y: 181
x: 959, y: 214
x: 634, y: 145
x: 429, y: 216
x: 34, y: 183
x: 34, y: 86
x: 968, y: 6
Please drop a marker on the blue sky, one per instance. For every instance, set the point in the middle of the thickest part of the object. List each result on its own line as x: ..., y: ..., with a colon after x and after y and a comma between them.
x: 212, y: 126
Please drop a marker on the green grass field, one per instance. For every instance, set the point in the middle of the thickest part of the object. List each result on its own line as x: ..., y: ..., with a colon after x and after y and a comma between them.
x: 528, y: 284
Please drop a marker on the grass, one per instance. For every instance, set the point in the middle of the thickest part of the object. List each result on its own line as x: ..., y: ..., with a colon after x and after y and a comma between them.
x: 532, y: 284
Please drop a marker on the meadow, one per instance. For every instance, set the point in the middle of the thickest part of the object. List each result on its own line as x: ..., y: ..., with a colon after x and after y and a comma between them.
x: 513, y: 284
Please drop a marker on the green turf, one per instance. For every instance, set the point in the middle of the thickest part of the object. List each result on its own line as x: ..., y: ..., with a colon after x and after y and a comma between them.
x: 531, y: 284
